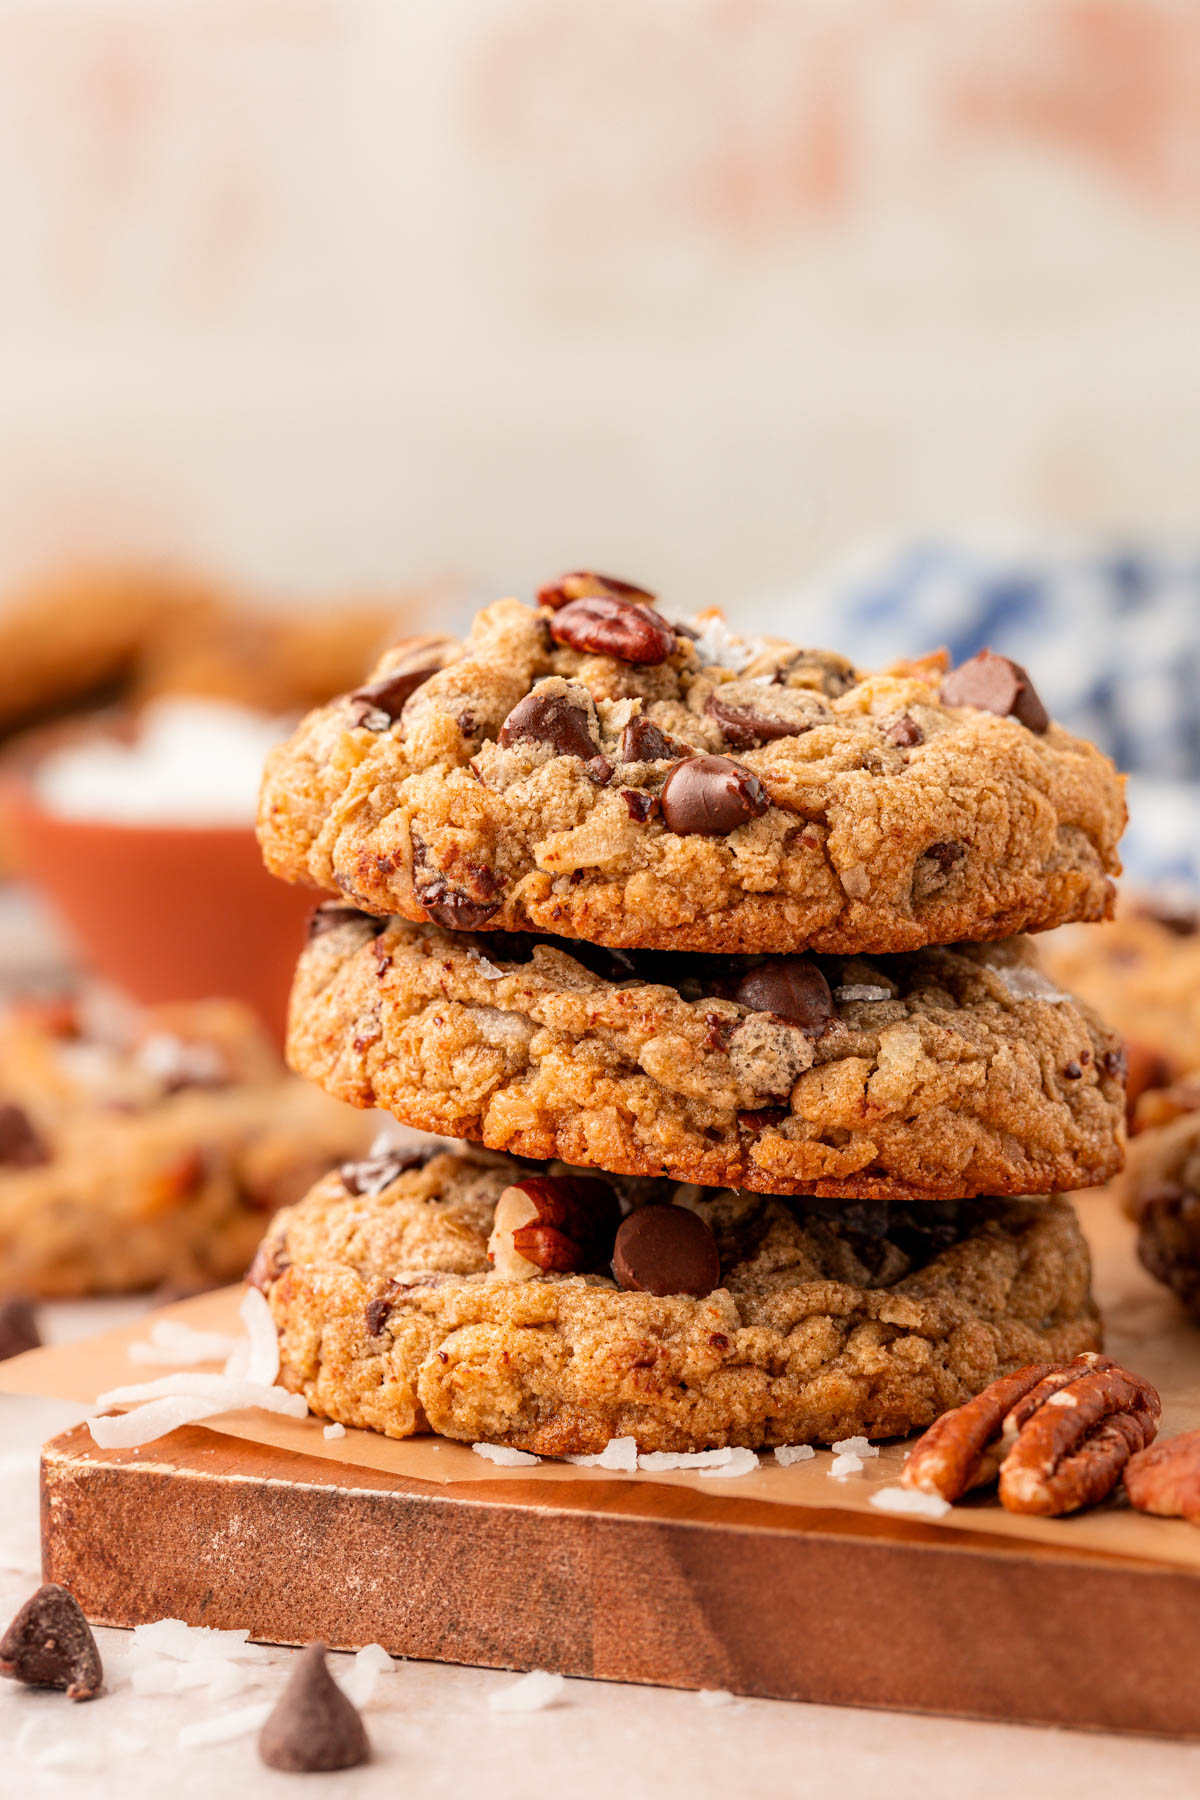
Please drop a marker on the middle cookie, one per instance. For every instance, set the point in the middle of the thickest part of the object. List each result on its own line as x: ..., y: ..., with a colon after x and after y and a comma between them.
x: 941, y: 1074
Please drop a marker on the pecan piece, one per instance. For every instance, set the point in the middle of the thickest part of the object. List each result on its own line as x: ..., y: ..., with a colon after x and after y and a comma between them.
x: 605, y: 626
x: 563, y: 1224
x: 584, y: 584
x: 1056, y: 1436
x: 1166, y: 1479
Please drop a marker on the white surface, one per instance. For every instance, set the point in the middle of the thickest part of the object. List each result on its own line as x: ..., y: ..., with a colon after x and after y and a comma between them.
x: 436, y: 1734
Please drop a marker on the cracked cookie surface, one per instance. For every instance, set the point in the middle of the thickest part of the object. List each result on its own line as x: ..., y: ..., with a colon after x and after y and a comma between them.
x: 940, y: 1074
x: 720, y: 794
x: 825, y: 1324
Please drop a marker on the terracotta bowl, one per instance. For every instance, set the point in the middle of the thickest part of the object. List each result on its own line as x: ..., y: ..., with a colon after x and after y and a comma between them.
x: 166, y: 912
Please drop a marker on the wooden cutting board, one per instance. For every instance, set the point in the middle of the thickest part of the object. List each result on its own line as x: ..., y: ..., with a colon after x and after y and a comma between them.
x: 784, y: 1583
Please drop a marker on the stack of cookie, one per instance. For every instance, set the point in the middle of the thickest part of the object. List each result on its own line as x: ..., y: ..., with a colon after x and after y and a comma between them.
x: 706, y: 946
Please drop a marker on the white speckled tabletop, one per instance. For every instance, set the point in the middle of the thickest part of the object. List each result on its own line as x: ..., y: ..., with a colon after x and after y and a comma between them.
x: 434, y: 1734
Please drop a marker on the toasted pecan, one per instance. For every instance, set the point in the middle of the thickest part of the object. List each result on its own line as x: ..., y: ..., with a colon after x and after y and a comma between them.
x: 1165, y: 1480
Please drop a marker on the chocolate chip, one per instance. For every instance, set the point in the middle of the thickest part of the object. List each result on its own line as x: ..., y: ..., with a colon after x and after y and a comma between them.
x: 996, y: 684
x: 642, y: 741
x: 666, y: 1250
x: 583, y: 584
x: 946, y: 855
x: 21, y: 1146
x: 1116, y: 1063
x: 1072, y: 1072
x: 380, y: 1310
x: 762, y: 1118
x: 822, y: 671
x: 639, y: 806
x: 746, y: 728
x: 602, y: 625
x: 371, y: 1174
x: 903, y: 732
x: 268, y: 1265
x: 450, y: 907
x: 380, y: 703
x: 50, y: 1644
x: 792, y: 988
x: 18, y: 1327
x: 313, y: 1727
x: 709, y: 796
x: 331, y: 914
x: 553, y: 719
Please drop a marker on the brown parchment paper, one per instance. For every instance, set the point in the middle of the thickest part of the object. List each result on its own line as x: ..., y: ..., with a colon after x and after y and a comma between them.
x: 1146, y: 1330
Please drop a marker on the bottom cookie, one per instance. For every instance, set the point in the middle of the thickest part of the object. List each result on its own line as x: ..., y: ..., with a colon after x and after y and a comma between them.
x: 1160, y: 1192
x: 826, y: 1322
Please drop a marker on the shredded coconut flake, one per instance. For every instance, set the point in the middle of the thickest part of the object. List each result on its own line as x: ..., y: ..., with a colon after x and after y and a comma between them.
x: 224, y: 1729
x: 334, y: 1431
x: 715, y: 1697
x: 505, y: 1455
x: 708, y: 1462
x: 787, y: 1454
x: 533, y: 1693
x: 909, y: 1500
x: 1026, y: 983
x: 263, y: 1363
x: 842, y: 1467
x: 174, y: 1343
x: 717, y: 644
x: 619, y: 1453
x: 361, y: 1681
x: 183, y: 1399
x: 855, y: 1446
x: 861, y: 990
x: 487, y: 969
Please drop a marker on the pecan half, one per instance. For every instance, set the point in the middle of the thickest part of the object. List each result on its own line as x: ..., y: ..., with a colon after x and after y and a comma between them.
x: 1166, y: 1479
x: 606, y: 626
x: 583, y: 584
x: 1056, y: 1436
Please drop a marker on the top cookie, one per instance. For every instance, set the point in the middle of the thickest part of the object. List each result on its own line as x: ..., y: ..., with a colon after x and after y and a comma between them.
x: 588, y: 769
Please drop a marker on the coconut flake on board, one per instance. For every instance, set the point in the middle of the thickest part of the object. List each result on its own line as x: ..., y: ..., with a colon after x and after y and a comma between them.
x: 855, y: 1446
x: 505, y: 1456
x: 620, y: 1454
x: 724, y: 1462
x: 532, y: 1693
x: 333, y: 1431
x: 787, y: 1454
x: 911, y: 1501
x: 842, y: 1467
x: 172, y: 1342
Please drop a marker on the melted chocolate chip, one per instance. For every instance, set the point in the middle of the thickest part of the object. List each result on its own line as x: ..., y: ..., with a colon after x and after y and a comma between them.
x: 332, y: 913
x: 710, y: 796
x: 792, y: 988
x: 18, y: 1327
x: 996, y: 684
x: 762, y: 1118
x: 903, y: 732
x: 1072, y: 1072
x: 745, y: 728
x: 583, y: 584
x: 21, y: 1146
x: 639, y: 806
x: 380, y: 1310
x: 553, y: 719
x: 453, y: 908
x: 371, y: 1174
x: 666, y: 1250
x: 313, y: 1726
x: 50, y: 1644
x: 642, y: 741
x: 603, y: 625
x: 380, y: 703
x: 946, y: 855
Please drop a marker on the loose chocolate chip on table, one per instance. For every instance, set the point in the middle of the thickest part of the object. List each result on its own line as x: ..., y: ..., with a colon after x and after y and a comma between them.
x: 21, y: 1147
x: 18, y: 1327
x: 386, y: 696
x: 666, y: 1250
x: 50, y: 1644
x: 996, y: 684
x: 602, y: 625
x: 904, y: 732
x: 553, y: 719
x: 709, y: 796
x: 745, y: 728
x: 371, y: 1174
x: 313, y: 1727
x: 642, y: 741
x: 332, y: 913
x: 581, y: 584
x: 792, y: 988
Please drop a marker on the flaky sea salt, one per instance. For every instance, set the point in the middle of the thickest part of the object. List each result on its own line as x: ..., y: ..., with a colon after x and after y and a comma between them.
x: 842, y: 1467
x: 505, y: 1455
x: 855, y: 1446
x: 333, y: 1431
x: 1026, y: 983
x: 619, y: 1454
x: 787, y: 1454
x: 533, y: 1693
x: 909, y: 1500
x: 487, y: 969
x: 861, y: 990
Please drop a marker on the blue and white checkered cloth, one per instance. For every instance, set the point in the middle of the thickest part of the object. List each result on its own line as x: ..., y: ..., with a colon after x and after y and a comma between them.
x: 1110, y: 633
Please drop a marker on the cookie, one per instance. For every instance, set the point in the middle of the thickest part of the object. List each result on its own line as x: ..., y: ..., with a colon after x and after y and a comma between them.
x: 1142, y: 974
x: 822, y: 1323
x: 589, y: 770
x: 940, y: 1074
x: 147, y: 1148
x: 1160, y: 1191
